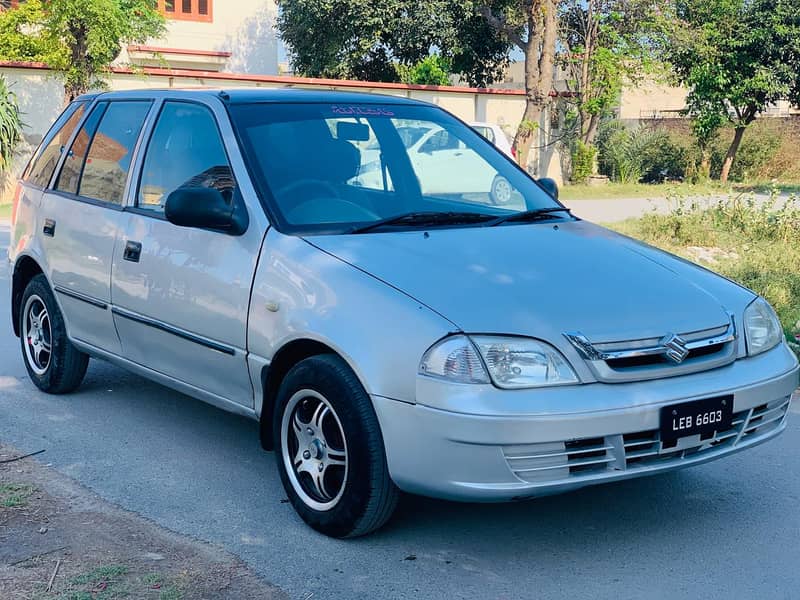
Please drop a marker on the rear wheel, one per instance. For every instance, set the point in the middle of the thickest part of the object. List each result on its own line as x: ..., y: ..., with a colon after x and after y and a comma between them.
x: 53, y: 363
x: 330, y: 450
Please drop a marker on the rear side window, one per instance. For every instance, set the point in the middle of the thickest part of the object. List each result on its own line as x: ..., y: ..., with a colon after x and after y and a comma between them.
x: 100, y: 157
x: 186, y: 150
x: 44, y: 161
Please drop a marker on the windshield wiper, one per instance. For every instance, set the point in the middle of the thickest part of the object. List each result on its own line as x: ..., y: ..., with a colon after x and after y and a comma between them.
x: 528, y: 215
x: 425, y: 218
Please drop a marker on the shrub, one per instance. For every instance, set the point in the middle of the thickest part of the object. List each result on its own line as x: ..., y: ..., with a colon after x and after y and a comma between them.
x: 755, y: 242
x: 582, y: 162
x: 10, y: 125
x: 758, y: 148
x: 624, y: 152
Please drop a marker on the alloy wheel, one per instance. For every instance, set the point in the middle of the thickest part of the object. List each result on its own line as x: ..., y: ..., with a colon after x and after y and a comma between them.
x: 314, y: 449
x: 37, y: 334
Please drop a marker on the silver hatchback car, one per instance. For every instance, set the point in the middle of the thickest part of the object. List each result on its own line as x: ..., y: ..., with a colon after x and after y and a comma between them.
x: 391, y: 321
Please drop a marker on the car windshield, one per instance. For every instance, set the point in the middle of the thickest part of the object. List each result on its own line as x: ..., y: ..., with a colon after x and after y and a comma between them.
x: 340, y: 168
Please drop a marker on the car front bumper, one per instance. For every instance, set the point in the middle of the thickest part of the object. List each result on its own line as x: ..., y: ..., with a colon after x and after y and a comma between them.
x: 518, y: 444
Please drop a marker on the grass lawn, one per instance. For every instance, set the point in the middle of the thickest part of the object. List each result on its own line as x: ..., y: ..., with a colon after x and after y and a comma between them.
x: 755, y: 246
x: 5, y: 211
x: 644, y: 190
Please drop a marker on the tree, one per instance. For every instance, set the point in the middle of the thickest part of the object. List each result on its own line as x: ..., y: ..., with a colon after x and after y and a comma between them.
x: 604, y: 44
x: 737, y: 57
x: 78, y: 38
x: 532, y: 27
x: 366, y: 39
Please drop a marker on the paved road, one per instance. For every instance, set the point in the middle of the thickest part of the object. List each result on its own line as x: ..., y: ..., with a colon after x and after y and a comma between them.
x: 619, y: 209
x: 729, y: 529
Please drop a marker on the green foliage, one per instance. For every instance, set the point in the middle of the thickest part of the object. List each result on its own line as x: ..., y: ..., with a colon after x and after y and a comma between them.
x: 627, y: 155
x: 583, y: 157
x: 433, y: 70
x: 604, y: 44
x: 367, y: 39
x: 10, y: 125
x: 737, y: 57
x: 755, y: 152
x: 14, y: 495
x: 78, y: 38
x: 750, y: 242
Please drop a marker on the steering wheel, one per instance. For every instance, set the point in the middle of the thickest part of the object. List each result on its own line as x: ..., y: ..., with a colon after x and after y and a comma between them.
x: 319, y: 184
x: 322, y: 206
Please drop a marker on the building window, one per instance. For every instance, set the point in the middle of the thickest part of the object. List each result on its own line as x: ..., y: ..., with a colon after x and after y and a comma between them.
x: 186, y: 10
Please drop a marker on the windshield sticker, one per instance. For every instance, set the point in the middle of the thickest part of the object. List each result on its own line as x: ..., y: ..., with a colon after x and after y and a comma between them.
x: 361, y: 111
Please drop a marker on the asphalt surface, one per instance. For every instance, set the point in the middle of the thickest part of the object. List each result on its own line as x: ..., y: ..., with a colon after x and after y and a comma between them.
x: 729, y: 529
x: 620, y: 209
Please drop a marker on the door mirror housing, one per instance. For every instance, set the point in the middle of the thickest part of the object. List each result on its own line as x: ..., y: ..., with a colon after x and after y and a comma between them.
x: 206, y: 208
x: 550, y: 186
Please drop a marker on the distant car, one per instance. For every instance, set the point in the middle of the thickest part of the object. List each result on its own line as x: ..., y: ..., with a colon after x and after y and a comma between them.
x: 438, y: 157
x: 495, y: 134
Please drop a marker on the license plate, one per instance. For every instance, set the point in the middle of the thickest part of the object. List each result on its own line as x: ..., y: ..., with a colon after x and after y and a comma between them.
x: 699, y: 416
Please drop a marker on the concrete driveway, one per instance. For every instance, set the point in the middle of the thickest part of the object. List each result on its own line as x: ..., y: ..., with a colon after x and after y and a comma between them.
x: 729, y: 529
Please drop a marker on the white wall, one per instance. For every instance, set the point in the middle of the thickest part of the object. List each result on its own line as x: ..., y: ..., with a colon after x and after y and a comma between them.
x: 246, y: 28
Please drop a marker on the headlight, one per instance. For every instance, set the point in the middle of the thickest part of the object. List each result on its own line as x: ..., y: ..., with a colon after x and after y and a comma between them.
x: 523, y: 363
x: 762, y: 328
x: 511, y: 362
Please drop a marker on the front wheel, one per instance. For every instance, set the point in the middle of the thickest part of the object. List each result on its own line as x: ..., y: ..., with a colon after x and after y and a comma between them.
x: 53, y: 363
x: 331, y: 457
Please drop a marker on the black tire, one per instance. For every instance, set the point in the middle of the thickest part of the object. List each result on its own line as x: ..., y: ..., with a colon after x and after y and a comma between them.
x: 66, y: 365
x: 368, y: 496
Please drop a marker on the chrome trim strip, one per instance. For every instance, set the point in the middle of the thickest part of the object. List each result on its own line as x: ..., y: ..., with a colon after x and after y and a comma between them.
x: 587, y: 350
x: 174, y: 331
x: 77, y: 296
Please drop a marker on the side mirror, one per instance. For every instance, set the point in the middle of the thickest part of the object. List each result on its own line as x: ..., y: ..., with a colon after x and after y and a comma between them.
x: 206, y: 208
x: 550, y: 186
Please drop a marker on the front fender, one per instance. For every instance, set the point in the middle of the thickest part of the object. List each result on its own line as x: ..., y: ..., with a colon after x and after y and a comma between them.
x: 301, y: 292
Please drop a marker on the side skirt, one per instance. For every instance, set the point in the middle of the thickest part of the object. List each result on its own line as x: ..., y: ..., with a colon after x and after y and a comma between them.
x: 166, y: 380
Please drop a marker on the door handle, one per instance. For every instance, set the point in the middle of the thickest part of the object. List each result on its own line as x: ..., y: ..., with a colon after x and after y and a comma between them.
x: 133, y: 252
x: 49, y: 228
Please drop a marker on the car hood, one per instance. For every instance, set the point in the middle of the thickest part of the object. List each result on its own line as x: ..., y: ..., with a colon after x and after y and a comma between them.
x: 541, y: 280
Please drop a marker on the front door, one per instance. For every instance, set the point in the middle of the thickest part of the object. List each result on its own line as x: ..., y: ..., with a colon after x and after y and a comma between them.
x: 181, y: 295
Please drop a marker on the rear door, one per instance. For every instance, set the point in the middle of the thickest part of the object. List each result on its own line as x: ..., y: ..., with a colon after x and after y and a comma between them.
x: 81, y: 218
x: 181, y: 295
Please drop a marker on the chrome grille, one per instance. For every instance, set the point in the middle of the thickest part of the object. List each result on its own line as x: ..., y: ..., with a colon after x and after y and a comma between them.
x: 652, y: 358
x: 554, y: 461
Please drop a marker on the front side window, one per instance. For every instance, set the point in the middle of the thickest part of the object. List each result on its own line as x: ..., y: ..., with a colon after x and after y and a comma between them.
x: 185, y: 150
x: 334, y: 168
x: 44, y: 162
x: 100, y: 158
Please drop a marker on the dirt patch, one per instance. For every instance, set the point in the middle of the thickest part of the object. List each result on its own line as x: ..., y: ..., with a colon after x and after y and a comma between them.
x: 60, y: 541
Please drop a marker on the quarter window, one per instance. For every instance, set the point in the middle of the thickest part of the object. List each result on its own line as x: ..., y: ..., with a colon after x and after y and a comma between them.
x: 44, y: 162
x: 103, y: 173
x: 186, y: 150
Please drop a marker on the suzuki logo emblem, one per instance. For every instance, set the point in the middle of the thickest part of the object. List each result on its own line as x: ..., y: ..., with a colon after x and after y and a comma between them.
x: 675, y: 348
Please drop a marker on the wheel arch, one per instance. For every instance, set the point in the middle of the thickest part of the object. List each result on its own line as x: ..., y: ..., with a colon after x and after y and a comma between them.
x: 25, y: 269
x: 273, y: 374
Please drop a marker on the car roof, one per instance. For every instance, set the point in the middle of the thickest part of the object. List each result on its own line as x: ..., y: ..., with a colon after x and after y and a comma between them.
x: 258, y: 95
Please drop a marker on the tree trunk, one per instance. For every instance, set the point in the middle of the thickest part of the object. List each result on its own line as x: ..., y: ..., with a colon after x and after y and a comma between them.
x: 527, y: 129
x: 731, y: 155
x: 591, y: 131
x: 539, y: 63
x: 705, y: 163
